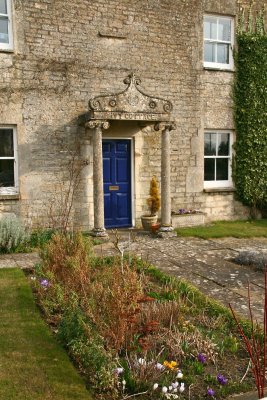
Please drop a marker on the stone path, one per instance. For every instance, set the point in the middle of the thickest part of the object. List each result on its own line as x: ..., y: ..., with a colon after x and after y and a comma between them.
x: 25, y: 260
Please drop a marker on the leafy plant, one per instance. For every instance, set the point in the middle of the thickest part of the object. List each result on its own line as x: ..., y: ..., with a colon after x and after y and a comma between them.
x: 13, y: 235
x: 250, y: 98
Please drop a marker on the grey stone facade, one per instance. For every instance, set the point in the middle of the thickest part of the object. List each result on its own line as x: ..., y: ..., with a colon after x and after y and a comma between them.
x: 66, y: 53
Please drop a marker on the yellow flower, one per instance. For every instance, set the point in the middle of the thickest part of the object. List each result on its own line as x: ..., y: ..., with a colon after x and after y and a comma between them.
x: 170, y: 365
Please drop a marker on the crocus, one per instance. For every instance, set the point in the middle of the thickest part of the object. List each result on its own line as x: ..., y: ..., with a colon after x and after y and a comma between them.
x: 118, y: 370
x: 179, y: 375
x: 175, y: 385
x: 164, y: 389
x: 202, y: 358
x: 155, y: 386
x: 44, y: 283
x: 210, y: 392
x: 160, y: 367
x: 181, y: 388
x: 221, y: 379
x: 142, y: 361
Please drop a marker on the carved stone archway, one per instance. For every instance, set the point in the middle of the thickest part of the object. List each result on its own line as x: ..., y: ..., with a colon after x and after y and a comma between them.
x: 132, y: 104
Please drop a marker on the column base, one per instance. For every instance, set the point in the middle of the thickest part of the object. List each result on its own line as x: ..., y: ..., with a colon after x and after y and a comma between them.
x: 100, y: 232
x: 166, y: 228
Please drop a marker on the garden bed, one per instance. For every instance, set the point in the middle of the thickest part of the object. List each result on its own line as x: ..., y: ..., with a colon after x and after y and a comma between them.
x: 135, y: 332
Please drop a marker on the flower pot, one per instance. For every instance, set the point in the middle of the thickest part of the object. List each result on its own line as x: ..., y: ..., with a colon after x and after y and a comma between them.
x: 148, y: 220
x: 155, y: 227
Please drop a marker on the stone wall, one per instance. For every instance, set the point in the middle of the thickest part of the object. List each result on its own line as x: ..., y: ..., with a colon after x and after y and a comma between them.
x: 67, y: 52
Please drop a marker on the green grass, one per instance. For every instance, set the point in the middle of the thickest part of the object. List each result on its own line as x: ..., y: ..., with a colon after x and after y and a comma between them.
x: 220, y: 229
x: 33, y: 365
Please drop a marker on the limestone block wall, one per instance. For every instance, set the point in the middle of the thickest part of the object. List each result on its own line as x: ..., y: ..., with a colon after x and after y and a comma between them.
x: 67, y: 52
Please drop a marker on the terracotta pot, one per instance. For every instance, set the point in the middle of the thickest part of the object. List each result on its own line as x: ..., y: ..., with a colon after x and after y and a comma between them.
x: 148, y: 220
x: 155, y: 227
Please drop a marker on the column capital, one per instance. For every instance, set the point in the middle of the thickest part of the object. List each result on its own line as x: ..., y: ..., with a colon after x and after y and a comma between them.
x: 97, y: 123
x: 163, y: 126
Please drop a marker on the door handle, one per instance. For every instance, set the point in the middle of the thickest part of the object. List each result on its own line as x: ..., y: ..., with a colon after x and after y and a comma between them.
x: 111, y: 188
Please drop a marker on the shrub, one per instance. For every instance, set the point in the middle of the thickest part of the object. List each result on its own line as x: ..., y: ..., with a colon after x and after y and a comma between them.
x: 13, y: 235
x: 153, y: 201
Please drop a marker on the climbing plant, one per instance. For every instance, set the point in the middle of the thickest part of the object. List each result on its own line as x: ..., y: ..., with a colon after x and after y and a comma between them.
x: 250, y: 99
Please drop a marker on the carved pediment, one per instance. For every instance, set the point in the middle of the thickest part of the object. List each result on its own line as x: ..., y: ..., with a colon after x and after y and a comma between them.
x: 130, y: 104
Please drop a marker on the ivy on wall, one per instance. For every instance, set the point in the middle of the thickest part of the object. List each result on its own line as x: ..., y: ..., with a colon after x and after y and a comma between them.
x: 250, y: 98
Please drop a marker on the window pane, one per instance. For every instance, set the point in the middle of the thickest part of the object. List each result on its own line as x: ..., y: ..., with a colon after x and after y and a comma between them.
x: 7, y: 173
x: 222, y: 169
x: 209, y: 169
x: 3, y: 7
x: 3, y: 30
x: 223, y: 53
x: 210, y: 52
x: 223, y: 144
x: 224, y: 30
x: 210, y: 28
x: 6, y: 143
x: 210, y: 144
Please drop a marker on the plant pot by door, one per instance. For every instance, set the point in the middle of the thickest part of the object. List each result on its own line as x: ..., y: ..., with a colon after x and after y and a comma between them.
x: 147, y: 220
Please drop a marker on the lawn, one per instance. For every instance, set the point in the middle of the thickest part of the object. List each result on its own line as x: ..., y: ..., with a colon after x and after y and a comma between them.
x: 33, y: 365
x: 220, y: 229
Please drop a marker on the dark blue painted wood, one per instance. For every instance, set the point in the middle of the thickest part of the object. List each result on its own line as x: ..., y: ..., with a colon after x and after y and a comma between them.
x: 117, y: 173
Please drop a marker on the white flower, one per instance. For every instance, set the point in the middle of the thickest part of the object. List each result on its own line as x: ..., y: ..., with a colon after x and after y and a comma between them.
x: 175, y: 385
x: 181, y: 388
x: 124, y: 383
x: 164, y: 389
x: 118, y: 370
x: 33, y: 278
x: 179, y: 375
x: 142, y: 361
x: 175, y: 390
x: 170, y: 388
x: 160, y: 367
x: 155, y: 386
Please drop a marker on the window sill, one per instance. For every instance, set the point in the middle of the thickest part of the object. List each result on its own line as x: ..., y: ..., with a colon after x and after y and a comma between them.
x: 219, y: 190
x: 218, y: 69
x: 6, y: 50
x: 14, y: 196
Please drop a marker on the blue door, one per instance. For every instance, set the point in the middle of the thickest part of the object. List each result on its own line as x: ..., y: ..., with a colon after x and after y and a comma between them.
x: 117, y: 183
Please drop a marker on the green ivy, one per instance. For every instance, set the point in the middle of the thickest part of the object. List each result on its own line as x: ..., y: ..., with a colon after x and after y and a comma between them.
x: 250, y: 97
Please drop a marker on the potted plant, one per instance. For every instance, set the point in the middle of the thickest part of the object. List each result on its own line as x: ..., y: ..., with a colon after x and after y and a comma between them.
x: 153, y: 203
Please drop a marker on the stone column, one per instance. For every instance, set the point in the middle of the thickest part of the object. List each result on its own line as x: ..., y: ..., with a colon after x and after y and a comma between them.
x: 165, y: 175
x: 99, y: 224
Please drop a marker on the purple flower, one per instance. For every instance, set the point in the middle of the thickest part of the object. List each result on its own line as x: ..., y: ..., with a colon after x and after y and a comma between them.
x: 202, y: 358
x: 221, y: 379
x: 210, y: 392
x: 44, y: 283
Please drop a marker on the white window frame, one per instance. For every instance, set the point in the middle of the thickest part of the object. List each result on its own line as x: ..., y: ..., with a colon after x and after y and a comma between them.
x: 225, y: 183
x: 217, y: 65
x: 11, y: 189
x: 8, y: 16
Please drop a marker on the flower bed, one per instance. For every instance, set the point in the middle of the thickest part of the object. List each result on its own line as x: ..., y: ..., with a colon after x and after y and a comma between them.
x: 134, y: 331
